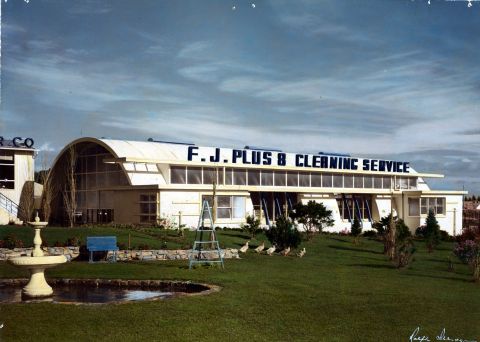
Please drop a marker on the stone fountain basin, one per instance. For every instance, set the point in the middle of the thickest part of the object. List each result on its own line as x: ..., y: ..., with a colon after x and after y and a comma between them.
x: 42, y: 261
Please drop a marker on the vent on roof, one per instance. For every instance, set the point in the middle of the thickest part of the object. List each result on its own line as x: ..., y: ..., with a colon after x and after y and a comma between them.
x: 170, y: 142
x: 334, y: 154
x: 261, y: 148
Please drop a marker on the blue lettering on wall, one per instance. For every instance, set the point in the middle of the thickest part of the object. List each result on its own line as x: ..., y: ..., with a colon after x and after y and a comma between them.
x: 281, y: 159
x: 267, y: 158
x: 191, y: 152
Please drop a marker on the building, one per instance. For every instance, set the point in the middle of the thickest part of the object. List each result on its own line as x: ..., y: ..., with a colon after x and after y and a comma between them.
x: 17, y: 168
x: 135, y: 182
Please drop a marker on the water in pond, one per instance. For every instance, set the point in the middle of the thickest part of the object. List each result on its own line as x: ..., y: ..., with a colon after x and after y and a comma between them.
x: 85, y: 294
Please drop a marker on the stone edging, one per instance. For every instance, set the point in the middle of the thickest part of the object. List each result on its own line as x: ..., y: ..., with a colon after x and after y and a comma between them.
x: 123, y: 255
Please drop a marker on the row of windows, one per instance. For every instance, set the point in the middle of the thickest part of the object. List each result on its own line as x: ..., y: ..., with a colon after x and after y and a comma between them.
x: 148, y: 208
x: 417, y: 206
x: 254, y: 177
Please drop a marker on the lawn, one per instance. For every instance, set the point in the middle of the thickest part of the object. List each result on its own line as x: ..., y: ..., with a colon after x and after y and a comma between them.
x: 337, y: 292
x: 148, y: 237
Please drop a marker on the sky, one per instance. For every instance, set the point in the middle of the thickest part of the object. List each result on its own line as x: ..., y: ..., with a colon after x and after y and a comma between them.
x: 394, y: 79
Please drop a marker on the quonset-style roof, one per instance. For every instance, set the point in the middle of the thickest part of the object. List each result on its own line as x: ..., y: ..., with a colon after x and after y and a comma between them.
x: 125, y: 151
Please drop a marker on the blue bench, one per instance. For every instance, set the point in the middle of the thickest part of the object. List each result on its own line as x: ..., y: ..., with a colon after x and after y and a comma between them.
x: 102, y: 244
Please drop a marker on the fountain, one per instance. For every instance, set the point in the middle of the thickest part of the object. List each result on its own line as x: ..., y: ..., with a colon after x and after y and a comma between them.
x: 37, y: 287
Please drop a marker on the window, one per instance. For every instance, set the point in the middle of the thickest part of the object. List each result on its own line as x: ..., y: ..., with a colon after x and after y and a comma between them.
x: 194, y: 175
x: 209, y: 175
x: 337, y: 181
x: 413, y: 207
x: 316, y: 179
x: 228, y: 176
x: 327, y: 180
x: 280, y: 178
x: 292, y: 179
x: 254, y: 177
x: 412, y: 183
x: 358, y: 181
x: 228, y: 207
x: 358, y: 206
x: 367, y: 182
x: 377, y: 182
x: 348, y: 181
x: 148, y: 208
x: 437, y: 204
x: 7, y: 170
x: 267, y: 178
x: 387, y: 183
x: 239, y: 177
x: 178, y: 175
x: 304, y: 178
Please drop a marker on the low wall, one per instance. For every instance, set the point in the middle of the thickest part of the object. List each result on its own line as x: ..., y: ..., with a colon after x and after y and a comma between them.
x: 124, y: 255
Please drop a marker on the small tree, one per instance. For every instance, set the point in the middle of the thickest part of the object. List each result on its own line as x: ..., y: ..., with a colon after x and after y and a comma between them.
x: 284, y: 234
x: 252, y: 226
x: 27, y: 201
x: 356, y: 230
x: 49, y: 188
x: 432, y: 231
x: 314, y: 216
x: 468, y: 251
x: 394, y: 234
x: 70, y: 189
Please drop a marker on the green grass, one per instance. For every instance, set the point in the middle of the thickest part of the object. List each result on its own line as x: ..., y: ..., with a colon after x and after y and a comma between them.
x: 153, y: 237
x: 337, y: 292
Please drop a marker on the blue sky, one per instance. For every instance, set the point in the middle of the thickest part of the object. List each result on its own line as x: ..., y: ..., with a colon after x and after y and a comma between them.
x: 397, y: 79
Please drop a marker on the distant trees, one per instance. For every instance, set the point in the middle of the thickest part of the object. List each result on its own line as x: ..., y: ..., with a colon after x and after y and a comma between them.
x: 314, y: 216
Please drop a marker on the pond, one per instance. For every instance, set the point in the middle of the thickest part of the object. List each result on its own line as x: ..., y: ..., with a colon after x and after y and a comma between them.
x: 98, y: 291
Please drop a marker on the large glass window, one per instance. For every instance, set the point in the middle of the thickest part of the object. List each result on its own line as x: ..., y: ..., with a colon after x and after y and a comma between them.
x: 437, y: 204
x: 377, y: 182
x: 412, y: 183
x: 387, y: 183
x: 228, y: 207
x: 367, y: 182
x: 358, y: 206
x: 228, y: 176
x: 209, y: 175
x: 178, y: 175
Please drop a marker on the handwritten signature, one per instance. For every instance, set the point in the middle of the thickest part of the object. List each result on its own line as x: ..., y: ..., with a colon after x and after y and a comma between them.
x: 417, y: 337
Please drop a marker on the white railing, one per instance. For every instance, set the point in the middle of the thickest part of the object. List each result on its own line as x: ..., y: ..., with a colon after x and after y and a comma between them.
x: 9, y: 205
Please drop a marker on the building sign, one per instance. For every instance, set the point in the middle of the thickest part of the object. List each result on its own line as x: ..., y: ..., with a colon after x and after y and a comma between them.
x: 275, y: 158
x: 17, y: 142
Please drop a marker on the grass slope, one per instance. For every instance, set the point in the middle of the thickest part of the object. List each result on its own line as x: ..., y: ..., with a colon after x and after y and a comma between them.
x: 337, y: 292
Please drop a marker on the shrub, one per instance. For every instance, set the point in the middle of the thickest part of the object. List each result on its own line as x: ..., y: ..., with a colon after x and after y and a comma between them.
x: 420, y: 232
x: 73, y: 241
x: 356, y: 229
x: 122, y: 246
x: 252, y: 226
x: 12, y: 242
x: 143, y: 246
x: 432, y: 232
x: 314, y: 216
x: 404, y: 253
x: 444, y: 236
x: 284, y: 234
x: 369, y: 233
x: 468, y: 252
